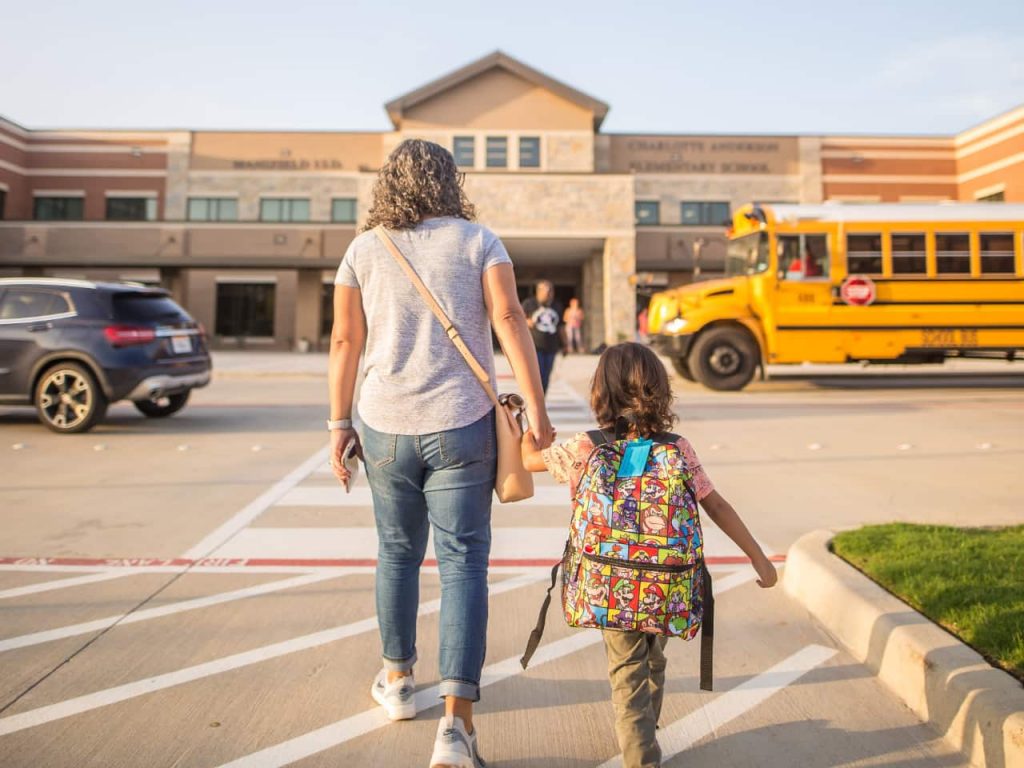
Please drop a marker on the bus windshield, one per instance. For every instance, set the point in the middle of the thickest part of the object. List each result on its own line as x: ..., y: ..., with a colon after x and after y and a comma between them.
x: 747, y: 255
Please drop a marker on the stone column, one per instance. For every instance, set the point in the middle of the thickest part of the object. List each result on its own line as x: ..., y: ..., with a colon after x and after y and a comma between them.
x: 593, y: 300
x: 285, y: 299
x: 179, y: 157
x: 812, y: 187
x: 307, y: 307
x: 619, y: 295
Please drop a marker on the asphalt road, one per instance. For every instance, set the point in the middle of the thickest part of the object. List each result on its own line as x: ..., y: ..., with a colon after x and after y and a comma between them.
x: 194, y: 591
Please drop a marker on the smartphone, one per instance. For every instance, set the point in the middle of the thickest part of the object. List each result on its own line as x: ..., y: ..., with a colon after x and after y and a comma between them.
x: 351, y: 463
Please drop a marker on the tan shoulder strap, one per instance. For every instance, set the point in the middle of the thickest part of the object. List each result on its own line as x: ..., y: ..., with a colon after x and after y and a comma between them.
x: 446, y: 323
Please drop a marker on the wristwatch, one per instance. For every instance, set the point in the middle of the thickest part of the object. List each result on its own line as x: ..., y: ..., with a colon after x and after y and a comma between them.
x: 339, y: 424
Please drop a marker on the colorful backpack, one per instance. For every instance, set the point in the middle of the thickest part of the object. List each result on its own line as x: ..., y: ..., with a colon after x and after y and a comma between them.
x: 634, y: 560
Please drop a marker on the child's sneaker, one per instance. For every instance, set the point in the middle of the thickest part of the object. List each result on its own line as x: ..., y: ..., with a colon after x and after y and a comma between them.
x: 398, y: 698
x: 453, y: 746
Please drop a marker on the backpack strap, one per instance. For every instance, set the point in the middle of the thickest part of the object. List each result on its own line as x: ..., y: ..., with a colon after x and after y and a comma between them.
x: 598, y: 437
x: 707, y: 631
x: 538, y: 631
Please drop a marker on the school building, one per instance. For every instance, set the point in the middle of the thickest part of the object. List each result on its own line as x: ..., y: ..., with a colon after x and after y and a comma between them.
x: 246, y: 228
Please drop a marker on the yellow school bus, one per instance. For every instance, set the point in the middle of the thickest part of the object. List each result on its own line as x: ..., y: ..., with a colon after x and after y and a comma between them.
x: 886, y: 283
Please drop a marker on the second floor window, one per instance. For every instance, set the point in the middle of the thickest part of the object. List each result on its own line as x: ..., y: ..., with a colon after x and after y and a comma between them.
x: 343, y: 210
x: 212, y: 209
x: 705, y: 214
x: 497, y: 152
x: 58, y: 208
x: 131, y: 208
x: 648, y: 212
x: 463, y: 151
x: 284, y: 209
x: 529, y: 152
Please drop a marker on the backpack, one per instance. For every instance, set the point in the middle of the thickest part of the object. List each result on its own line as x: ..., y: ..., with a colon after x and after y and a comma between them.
x: 634, y: 560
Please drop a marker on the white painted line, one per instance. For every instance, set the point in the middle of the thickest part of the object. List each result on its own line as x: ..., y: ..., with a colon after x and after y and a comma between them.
x: 91, y: 701
x: 345, y: 730
x: 257, y: 506
x: 267, y: 568
x: 360, y: 496
x: 684, y: 733
x: 524, y: 543
x: 76, y: 581
x: 98, y: 625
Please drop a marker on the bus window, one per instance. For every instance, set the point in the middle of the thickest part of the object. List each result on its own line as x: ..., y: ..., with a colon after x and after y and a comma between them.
x: 997, y: 254
x: 747, y: 255
x: 908, y: 256
x: 953, y: 254
x: 803, y: 257
x: 863, y: 254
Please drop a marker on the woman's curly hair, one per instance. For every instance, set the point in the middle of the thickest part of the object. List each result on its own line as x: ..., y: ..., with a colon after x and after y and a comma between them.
x: 419, y: 179
x: 631, y: 388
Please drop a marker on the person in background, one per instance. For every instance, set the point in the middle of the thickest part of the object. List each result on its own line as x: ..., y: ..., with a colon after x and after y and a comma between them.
x: 544, y: 317
x: 573, y: 319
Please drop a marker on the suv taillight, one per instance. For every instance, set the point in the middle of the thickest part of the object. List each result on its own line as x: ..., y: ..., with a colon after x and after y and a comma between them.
x: 127, y: 335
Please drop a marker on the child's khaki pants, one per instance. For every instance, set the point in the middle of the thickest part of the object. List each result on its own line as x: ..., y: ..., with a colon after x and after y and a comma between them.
x: 636, y: 670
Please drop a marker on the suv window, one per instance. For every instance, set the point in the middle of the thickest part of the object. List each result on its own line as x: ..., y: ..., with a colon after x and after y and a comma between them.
x: 140, y: 307
x: 24, y: 303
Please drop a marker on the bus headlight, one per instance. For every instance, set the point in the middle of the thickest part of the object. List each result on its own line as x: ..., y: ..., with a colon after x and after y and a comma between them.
x: 675, y: 326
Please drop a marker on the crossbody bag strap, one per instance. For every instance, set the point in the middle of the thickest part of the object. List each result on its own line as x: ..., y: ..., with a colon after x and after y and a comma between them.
x: 449, y: 329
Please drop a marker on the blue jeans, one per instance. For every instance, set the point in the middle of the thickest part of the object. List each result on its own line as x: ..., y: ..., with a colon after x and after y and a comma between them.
x: 444, y: 480
x: 546, y: 362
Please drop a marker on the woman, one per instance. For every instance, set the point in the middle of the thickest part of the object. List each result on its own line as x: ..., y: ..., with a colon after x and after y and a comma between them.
x: 428, y: 439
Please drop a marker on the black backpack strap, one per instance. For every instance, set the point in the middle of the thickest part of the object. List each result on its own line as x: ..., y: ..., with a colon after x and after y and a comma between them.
x: 538, y: 631
x: 707, y: 631
x: 597, y: 437
x: 670, y: 438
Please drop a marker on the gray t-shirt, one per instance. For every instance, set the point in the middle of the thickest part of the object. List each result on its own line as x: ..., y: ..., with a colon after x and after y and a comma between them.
x: 416, y: 382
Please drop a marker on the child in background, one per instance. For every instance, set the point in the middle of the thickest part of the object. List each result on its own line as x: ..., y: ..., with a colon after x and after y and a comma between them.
x: 631, y: 387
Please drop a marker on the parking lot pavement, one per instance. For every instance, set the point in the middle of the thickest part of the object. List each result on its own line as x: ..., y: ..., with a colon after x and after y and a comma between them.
x: 214, y: 605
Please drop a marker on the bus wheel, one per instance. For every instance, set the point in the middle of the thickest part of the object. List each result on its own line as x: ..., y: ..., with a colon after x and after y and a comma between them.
x: 724, y: 359
x: 682, y: 367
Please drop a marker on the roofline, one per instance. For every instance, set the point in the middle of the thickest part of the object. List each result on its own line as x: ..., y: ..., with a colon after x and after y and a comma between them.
x: 499, y: 58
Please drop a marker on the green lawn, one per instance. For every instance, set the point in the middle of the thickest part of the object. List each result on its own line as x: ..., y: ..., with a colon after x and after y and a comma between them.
x: 968, y: 580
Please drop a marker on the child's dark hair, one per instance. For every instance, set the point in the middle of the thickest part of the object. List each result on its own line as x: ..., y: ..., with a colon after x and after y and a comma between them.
x: 631, y: 383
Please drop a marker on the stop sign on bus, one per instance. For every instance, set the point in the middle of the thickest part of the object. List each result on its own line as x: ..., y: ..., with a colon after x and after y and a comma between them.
x: 857, y: 290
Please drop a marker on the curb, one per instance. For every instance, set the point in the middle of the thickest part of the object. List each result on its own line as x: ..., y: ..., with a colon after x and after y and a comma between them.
x: 978, y: 709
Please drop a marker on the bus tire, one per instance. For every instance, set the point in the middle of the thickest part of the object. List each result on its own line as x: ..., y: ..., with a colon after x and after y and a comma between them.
x: 724, y: 359
x: 682, y: 367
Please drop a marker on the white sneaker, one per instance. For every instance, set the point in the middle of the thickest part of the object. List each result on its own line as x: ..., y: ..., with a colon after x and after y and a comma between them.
x: 397, y: 698
x: 453, y: 746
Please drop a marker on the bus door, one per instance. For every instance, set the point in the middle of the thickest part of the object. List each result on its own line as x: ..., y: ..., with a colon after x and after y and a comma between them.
x: 803, y: 300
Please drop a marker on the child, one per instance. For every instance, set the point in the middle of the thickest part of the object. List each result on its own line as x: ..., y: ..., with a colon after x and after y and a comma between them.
x: 631, y: 391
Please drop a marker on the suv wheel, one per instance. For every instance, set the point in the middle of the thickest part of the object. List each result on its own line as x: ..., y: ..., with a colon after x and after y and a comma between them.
x: 163, y: 406
x: 68, y: 399
x: 724, y: 359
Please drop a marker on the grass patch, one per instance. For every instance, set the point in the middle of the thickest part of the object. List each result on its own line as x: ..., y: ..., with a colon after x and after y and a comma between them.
x: 968, y: 580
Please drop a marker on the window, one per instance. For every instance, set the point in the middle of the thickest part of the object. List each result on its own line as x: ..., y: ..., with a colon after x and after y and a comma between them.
x: 58, y: 208
x: 995, y: 197
x: 747, y: 255
x: 146, y: 307
x: 803, y: 257
x: 529, y: 152
x: 23, y: 304
x: 212, y: 209
x: 864, y: 254
x: 327, y: 309
x: 705, y: 214
x: 131, y: 208
x: 648, y: 212
x: 245, y: 309
x: 284, y: 209
x: 997, y: 254
x: 908, y: 255
x: 497, y: 152
x: 463, y: 150
x: 343, y: 210
x: 953, y: 254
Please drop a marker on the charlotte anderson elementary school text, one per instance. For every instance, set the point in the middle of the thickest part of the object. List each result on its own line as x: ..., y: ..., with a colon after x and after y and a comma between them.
x: 247, y: 228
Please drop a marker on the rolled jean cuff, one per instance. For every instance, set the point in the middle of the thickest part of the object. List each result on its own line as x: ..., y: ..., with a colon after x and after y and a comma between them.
x: 460, y: 689
x: 403, y: 665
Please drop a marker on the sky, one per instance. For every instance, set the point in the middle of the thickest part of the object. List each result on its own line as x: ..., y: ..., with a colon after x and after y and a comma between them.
x: 902, y: 66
